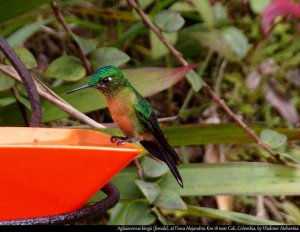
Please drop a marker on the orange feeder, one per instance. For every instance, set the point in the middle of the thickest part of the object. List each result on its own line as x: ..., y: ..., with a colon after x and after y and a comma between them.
x: 46, y: 171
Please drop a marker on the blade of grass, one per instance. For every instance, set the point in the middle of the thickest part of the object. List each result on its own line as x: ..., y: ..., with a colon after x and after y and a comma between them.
x: 220, y: 214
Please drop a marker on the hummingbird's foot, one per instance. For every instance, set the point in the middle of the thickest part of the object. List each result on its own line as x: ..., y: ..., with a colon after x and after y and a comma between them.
x: 121, y: 140
x: 115, y: 138
x: 127, y: 140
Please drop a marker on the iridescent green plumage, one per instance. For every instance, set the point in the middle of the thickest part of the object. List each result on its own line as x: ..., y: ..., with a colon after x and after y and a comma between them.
x: 134, y: 115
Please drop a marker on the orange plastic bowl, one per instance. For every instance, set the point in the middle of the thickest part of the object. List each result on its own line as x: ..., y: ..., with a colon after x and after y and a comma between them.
x: 47, y: 171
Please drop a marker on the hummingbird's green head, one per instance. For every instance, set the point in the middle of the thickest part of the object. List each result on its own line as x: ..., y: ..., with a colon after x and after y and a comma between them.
x: 107, y: 79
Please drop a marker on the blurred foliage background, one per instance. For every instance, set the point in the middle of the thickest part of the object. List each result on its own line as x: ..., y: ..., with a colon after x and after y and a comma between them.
x: 247, y: 51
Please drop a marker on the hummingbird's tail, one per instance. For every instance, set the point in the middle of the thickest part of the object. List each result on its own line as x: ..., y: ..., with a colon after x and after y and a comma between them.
x: 162, y: 154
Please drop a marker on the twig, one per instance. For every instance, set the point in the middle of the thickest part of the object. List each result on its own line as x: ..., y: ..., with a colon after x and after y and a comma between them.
x: 260, y: 207
x: 139, y: 168
x: 48, y: 94
x: 273, y: 210
x: 27, y: 81
x: 206, y: 87
x: 61, y: 19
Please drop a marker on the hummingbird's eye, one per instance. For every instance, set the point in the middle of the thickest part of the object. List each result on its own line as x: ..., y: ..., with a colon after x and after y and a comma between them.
x: 106, y: 80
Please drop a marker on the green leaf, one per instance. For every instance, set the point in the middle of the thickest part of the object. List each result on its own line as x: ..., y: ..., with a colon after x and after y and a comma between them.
x: 153, y: 168
x: 195, y: 134
x: 161, y: 217
x: 205, y: 10
x: 273, y: 138
x: 182, y: 7
x: 240, y: 178
x: 107, y: 56
x: 195, y: 80
x: 22, y: 34
x: 26, y: 56
x: 220, y: 15
x: 147, y: 81
x: 25, y: 102
x: 131, y: 213
x: 7, y: 101
x: 144, y: 3
x: 168, y: 21
x: 233, y: 216
x: 13, y: 8
x: 67, y: 68
x: 292, y: 211
x: 14, y: 118
x: 150, y: 190
x: 294, y: 154
x: 86, y: 45
x: 158, y: 49
x: 258, y: 6
x: 170, y: 200
x: 237, y: 41
x: 6, y: 82
x: 214, y: 40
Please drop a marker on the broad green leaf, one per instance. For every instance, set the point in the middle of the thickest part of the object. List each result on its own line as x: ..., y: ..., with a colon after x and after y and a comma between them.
x: 67, y: 68
x: 86, y: 45
x: 182, y: 7
x: 290, y: 156
x: 195, y: 80
x: 214, y: 40
x: 13, y: 8
x: 168, y: 21
x: 195, y: 134
x: 25, y: 102
x: 222, y: 214
x: 220, y: 15
x: 161, y: 217
x: 150, y: 190
x: 147, y: 81
x: 273, y: 138
x: 6, y: 82
x: 14, y: 118
x: 153, y: 168
x: 26, y: 56
x: 22, y: 34
x: 237, y: 41
x: 217, y: 134
x: 205, y: 10
x: 170, y: 200
x: 131, y: 213
x: 240, y: 178
x: 158, y: 49
x: 294, y: 154
x: 107, y: 56
x: 6, y: 101
x: 144, y: 3
x: 258, y: 6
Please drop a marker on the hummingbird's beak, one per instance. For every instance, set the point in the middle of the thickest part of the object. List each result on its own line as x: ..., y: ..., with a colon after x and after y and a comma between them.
x: 79, y: 88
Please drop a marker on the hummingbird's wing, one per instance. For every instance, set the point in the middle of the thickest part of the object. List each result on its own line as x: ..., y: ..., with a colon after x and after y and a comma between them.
x: 148, y: 119
x: 158, y: 146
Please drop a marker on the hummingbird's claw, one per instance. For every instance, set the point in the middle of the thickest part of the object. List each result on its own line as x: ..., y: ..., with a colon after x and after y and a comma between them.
x: 121, y: 140
x: 117, y: 139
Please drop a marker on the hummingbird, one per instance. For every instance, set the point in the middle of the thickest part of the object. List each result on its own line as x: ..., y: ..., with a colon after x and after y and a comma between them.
x: 134, y: 116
